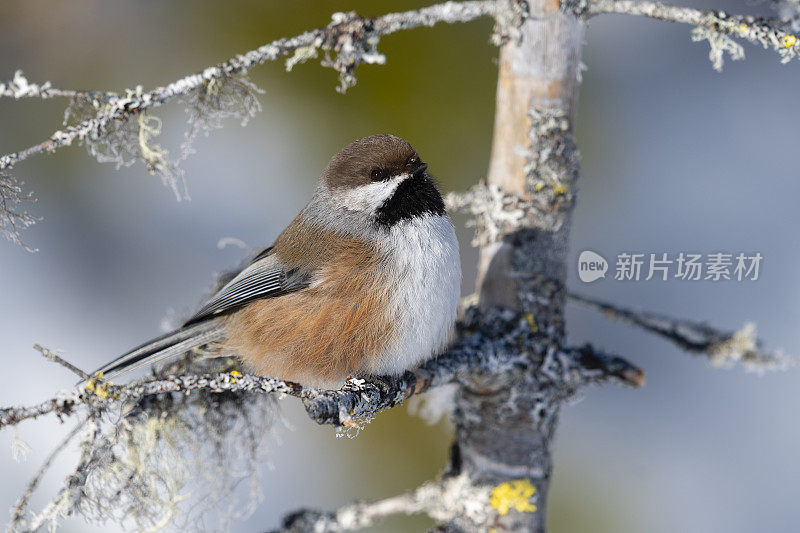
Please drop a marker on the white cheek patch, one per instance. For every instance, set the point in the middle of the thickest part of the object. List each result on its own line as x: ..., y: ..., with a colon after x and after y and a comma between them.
x: 371, y: 196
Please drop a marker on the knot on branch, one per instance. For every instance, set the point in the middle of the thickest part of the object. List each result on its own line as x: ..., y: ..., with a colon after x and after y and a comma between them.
x: 354, y: 41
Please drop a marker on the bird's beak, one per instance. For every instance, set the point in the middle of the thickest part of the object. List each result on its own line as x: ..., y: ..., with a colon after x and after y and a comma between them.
x: 420, y: 170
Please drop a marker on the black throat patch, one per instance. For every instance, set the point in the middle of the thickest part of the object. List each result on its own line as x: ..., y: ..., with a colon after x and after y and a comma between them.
x: 414, y: 197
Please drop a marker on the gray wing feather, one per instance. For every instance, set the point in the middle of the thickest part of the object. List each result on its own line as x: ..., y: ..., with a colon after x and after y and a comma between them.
x: 264, y: 278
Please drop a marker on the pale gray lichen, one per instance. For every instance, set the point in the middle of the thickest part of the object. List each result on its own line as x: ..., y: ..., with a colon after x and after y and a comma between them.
x: 14, y: 218
x: 171, y: 461
x: 775, y: 34
x: 127, y: 139
x: 495, y: 213
x: 743, y: 346
x: 168, y: 459
x: 719, y: 43
x: 130, y: 137
x: 218, y: 99
x: 353, y: 42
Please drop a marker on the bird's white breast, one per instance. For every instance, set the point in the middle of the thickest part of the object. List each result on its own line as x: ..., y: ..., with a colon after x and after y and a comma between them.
x: 426, y: 271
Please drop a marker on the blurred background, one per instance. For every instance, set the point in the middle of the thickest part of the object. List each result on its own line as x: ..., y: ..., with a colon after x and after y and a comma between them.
x: 676, y: 157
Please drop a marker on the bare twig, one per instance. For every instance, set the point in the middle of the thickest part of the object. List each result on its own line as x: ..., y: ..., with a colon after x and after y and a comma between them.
x: 19, y: 510
x: 52, y: 356
x: 68, y: 498
x: 720, y: 346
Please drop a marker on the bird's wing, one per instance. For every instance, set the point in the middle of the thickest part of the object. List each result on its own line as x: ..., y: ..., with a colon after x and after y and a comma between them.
x: 264, y: 277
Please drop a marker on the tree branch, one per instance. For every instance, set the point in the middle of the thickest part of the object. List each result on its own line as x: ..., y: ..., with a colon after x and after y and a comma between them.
x: 768, y: 32
x: 443, y: 500
x: 489, y: 343
x: 19, y: 87
x: 721, y: 347
x: 352, y: 38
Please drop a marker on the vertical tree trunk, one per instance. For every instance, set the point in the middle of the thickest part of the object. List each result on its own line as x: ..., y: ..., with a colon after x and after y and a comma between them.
x: 533, y: 158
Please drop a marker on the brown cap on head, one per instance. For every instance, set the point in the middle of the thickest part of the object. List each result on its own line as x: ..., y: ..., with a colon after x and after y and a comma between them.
x: 370, y: 159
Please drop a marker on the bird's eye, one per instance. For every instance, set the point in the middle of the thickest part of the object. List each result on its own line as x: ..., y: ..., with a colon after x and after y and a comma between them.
x: 376, y: 174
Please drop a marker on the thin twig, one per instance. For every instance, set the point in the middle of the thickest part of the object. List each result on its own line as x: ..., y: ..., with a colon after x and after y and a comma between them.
x: 69, y: 497
x: 18, y: 511
x: 720, y: 346
x: 52, y: 356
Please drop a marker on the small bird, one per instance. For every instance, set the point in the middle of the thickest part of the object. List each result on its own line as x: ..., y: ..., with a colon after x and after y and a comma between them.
x: 364, y: 281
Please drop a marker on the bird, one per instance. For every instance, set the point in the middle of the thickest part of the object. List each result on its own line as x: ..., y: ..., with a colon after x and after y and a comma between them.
x: 364, y: 281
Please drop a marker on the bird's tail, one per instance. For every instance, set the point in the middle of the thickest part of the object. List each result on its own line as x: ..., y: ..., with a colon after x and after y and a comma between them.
x: 164, y: 347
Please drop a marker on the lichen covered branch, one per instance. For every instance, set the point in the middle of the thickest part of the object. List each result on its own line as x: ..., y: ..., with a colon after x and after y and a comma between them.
x: 120, y: 128
x: 352, y: 38
x: 19, y: 87
x: 715, y: 26
x: 721, y: 347
x: 444, y: 500
x: 489, y: 342
x: 130, y: 432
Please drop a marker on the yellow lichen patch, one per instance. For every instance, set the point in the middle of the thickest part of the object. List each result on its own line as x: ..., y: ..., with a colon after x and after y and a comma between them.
x: 539, y: 187
x: 98, y: 386
x: 99, y: 389
x: 234, y: 374
x: 515, y: 495
x: 789, y: 41
x: 742, y: 27
x: 531, y: 322
x: 559, y: 189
